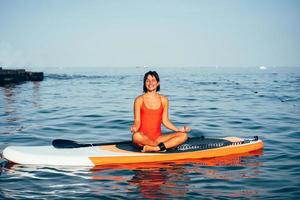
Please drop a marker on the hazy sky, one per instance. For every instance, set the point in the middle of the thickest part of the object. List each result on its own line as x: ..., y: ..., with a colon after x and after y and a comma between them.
x: 107, y: 33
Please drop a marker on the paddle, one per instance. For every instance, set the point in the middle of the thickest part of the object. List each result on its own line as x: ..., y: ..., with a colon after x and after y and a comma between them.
x: 68, y: 144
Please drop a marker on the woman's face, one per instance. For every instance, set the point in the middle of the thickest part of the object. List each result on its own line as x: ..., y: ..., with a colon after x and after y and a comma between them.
x: 151, y: 83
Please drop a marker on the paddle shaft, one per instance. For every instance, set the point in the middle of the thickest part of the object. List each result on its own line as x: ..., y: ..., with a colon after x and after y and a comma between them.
x: 62, y: 144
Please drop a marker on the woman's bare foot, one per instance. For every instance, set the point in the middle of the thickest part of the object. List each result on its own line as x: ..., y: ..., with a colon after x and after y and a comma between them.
x: 148, y: 148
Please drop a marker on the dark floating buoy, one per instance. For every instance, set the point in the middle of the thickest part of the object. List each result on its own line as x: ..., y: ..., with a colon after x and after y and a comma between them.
x: 8, y: 76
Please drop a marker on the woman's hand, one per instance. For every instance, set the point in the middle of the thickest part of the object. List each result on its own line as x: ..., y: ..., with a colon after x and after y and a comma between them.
x: 133, y: 129
x: 185, y: 129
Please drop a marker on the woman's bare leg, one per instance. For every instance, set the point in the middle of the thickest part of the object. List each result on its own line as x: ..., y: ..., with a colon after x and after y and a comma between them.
x: 141, y: 140
x: 170, y: 140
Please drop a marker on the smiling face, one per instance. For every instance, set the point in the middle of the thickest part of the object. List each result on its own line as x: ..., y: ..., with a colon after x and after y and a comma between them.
x: 151, y: 82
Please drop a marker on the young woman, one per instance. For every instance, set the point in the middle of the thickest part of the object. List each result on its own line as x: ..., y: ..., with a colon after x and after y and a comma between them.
x: 150, y: 111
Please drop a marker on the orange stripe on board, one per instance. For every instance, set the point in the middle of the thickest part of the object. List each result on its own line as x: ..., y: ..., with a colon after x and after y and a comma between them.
x: 230, y: 160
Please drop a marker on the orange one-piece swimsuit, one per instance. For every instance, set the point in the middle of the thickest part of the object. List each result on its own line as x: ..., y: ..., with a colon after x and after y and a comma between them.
x: 151, y: 121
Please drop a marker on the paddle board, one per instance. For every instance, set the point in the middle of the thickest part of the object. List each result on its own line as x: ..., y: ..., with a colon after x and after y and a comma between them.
x: 125, y: 152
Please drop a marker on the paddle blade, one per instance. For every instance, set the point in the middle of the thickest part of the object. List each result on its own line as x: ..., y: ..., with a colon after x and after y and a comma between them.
x: 65, y: 144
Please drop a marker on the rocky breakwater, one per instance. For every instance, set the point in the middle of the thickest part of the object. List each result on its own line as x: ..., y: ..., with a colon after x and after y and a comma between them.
x: 9, y: 76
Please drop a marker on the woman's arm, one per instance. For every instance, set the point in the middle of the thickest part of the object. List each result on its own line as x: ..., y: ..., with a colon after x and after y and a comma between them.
x: 165, y: 118
x: 137, y: 114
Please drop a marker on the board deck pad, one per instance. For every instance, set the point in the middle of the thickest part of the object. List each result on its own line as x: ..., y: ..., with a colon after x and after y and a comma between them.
x: 192, y: 144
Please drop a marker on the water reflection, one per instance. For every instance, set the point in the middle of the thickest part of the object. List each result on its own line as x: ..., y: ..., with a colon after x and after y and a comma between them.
x: 161, y: 183
x: 9, y: 116
x: 154, y: 181
x: 36, y: 94
x: 14, y: 98
x: 9, y: 100
x: 177, y: 179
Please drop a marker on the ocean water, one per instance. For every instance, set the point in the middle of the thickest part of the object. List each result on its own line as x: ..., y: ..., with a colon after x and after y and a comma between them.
x: 95, y: 105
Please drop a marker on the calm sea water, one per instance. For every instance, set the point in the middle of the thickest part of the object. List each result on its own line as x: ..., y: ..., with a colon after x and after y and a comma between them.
x: 95, y: 105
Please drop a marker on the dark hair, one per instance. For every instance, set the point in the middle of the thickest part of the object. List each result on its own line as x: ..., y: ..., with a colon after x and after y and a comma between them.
x: 151, y: 73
